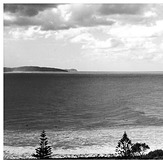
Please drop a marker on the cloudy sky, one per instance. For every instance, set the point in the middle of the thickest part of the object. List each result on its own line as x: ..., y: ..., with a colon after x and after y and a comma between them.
x: 88, y: 37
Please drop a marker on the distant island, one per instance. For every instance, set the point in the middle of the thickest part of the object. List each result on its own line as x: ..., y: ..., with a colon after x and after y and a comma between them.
x: 36, y: 69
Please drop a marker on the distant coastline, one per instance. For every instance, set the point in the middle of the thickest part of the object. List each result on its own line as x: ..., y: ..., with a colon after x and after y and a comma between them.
x: 36, y: 69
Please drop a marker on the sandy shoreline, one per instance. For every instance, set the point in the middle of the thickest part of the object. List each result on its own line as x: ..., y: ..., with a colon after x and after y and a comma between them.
x: 11, y: 153
x: 78, y: 143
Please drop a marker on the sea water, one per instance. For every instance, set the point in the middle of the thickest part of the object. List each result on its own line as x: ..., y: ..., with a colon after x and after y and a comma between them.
x: 82, y: 112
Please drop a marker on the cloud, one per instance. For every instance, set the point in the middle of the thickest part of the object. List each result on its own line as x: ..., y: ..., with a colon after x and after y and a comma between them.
x: 66, y: 16
x: 86, y: 15
x: 52, y: 17
x: 110, y: 30
x: 27, y: 9
x: 126, y: 9
x: 30, y: 33
x: 91, y: 42
x: 134, y: 14
x: 129, y: 42
x: 20, y: 21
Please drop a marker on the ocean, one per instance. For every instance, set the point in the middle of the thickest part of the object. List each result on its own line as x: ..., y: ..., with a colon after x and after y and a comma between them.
x: 82, y: 112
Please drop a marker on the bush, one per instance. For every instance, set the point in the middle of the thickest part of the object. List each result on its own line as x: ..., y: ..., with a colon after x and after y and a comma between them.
x: 138, y: 149
x: 157, y: 154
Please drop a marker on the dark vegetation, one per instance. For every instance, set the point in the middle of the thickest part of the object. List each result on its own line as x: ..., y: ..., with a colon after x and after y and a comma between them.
x: 36, y: 69
x: 44, y: 151
x: 124, y: 150
x: 157, y: 154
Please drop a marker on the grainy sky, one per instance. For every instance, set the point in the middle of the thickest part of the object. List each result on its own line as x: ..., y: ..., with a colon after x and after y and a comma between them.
x: 92, y: 37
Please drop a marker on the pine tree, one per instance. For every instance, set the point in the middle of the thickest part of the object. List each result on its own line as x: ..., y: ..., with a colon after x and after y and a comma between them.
x: 123, y: 148
x: 44, y: 151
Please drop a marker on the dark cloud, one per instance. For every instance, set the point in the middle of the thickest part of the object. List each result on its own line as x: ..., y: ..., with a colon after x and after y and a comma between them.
x: 21, y: 21
x: 90, y: 22
x: 87, y: 22
x: 86, y: 15
x: 57, y: 24
x: 27, y: 9
x: 27, y: 15
x: 127, y: 9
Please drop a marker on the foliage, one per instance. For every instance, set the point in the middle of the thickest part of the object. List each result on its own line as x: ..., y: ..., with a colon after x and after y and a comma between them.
x: 156, y: 154
x: 123, y: 148
x: 44, y: 151
x: 138, y: 149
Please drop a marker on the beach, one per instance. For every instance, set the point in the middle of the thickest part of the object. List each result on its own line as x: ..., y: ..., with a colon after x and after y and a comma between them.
x: 87, y: 143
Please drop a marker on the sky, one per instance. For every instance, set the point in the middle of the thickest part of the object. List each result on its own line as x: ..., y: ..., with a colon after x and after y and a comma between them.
x: 87, y: 37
